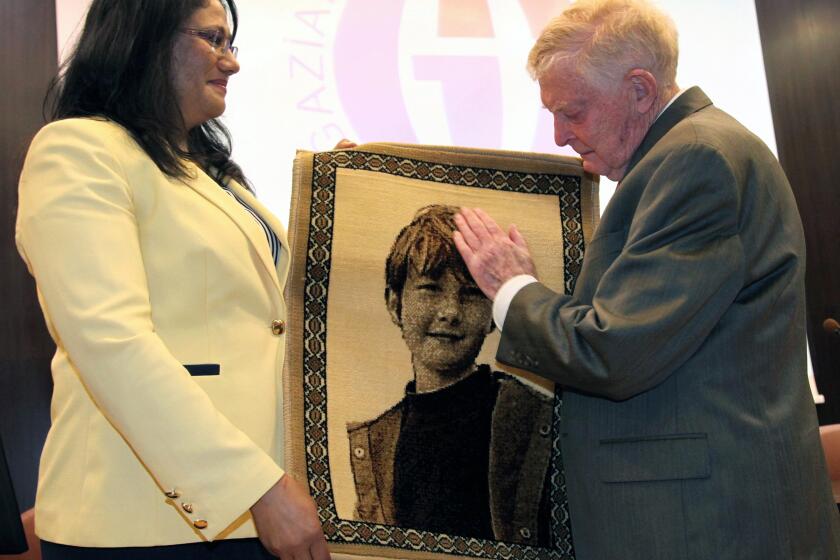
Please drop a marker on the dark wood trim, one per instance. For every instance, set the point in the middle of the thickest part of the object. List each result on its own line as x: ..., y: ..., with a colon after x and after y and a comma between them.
x: 801, y: 47
x: 28, y: 44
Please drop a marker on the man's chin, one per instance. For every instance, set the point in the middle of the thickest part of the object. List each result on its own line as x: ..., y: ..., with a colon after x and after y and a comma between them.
x: 593, y: 168
x: 598, y: 168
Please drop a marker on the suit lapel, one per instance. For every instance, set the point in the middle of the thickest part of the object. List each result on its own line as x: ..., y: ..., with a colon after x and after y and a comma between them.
x: 209, y: 189
x: 691, y: 101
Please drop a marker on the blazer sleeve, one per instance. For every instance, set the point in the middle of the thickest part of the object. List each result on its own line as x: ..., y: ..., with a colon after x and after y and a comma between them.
x: 679, y: 270
x: 78, y: 233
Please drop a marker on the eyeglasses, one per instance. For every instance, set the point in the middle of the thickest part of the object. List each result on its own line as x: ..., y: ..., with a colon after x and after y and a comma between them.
x: 217, y: 40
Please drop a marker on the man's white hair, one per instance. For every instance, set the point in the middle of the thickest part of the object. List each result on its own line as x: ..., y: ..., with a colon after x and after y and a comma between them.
x: 605, y: 39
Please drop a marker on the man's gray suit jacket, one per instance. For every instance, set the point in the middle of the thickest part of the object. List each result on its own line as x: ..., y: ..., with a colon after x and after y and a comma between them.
x: 688, y: 425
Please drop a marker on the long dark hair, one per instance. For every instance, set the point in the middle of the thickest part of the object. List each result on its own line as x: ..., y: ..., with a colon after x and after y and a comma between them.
x: 121, y: 70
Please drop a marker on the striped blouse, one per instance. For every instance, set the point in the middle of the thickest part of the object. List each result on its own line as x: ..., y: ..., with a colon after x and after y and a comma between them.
x: 271, y: 237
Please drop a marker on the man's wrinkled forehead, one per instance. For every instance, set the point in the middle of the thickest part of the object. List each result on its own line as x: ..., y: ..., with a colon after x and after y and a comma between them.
x: 562, y: 91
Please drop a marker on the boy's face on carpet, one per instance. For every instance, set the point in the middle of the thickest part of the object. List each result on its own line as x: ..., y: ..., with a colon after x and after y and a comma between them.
x: 444, y: 320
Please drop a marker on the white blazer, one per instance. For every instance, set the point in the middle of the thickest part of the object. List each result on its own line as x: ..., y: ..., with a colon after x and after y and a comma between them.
x: 143, y: 279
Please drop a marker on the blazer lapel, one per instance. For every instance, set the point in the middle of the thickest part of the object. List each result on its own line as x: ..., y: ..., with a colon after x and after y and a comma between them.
x: 271, y: 221
x: 204, y: 185
x: 691, y: 101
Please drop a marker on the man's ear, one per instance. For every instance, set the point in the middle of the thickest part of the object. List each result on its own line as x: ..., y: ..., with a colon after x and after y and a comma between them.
x: 393, y: 303
x: 645, y: 89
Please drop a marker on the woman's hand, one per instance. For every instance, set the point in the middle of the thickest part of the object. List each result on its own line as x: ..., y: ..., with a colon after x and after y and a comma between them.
x: 345, y: 144
x: 287, y: 522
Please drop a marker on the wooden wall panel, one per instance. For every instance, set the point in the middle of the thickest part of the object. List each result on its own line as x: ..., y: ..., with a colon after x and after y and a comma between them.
x: 801, y: 46
x: 28, y: 44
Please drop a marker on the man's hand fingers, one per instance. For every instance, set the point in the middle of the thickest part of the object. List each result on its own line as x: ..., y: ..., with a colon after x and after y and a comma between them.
x: 524, y: 259
x: 491, y: 255
x: 489, y: 223
x: 462, y: 246
x: 467, y: 234
x: 517, y: 238
x: 476, y: 226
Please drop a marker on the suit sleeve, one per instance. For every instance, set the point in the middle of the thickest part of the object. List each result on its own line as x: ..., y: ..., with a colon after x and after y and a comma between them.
x: 681, y: 267
x: 78, y: 234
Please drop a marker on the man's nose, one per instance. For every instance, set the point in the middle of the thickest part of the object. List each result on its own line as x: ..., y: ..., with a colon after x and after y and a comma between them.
x: 562, y: 134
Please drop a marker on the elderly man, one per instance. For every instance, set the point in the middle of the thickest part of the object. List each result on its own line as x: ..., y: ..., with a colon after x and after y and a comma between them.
x: 689, y: 430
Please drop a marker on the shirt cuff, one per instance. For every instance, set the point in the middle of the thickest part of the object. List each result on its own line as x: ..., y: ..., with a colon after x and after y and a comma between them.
x: 506, y: 294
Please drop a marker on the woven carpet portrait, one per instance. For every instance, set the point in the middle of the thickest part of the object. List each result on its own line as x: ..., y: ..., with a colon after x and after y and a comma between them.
x: 414, y: 442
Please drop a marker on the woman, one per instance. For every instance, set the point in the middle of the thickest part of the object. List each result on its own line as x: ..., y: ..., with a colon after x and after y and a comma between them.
x: 160, y: 277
